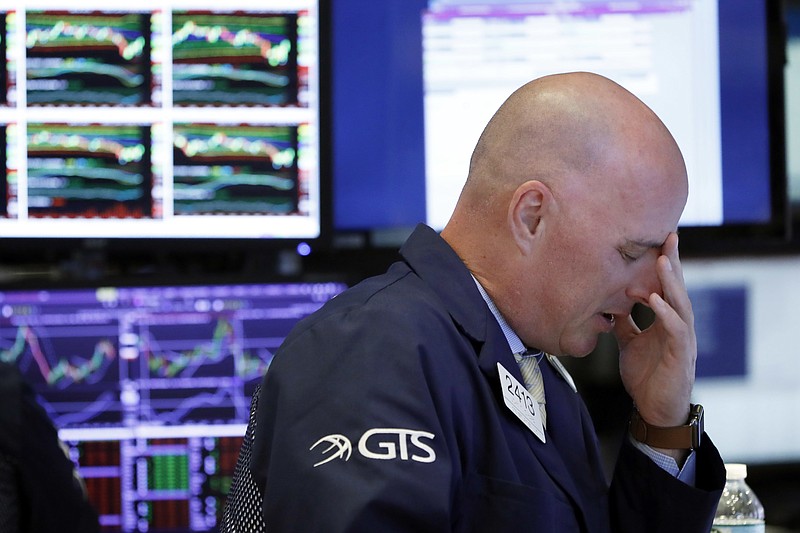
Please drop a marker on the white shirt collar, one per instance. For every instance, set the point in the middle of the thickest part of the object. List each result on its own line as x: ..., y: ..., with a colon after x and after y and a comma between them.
x: 515, y: 343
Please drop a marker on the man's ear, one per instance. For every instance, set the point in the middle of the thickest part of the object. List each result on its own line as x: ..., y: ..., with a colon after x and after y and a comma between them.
x: 528, y: 205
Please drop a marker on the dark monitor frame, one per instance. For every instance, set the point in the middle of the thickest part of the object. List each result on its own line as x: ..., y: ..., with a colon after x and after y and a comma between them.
x: 774, y: 235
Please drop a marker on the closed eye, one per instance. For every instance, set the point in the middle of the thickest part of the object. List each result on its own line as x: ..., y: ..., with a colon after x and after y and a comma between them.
x: 629, y: 257
x: 633, y: 250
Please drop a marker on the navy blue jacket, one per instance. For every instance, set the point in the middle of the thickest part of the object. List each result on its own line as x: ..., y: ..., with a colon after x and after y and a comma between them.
x: 383, y: 412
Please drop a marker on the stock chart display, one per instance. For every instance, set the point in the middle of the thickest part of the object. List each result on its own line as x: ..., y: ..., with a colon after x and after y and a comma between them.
x: 234, y: 59
x: 161, y: 119
x: 89, y: 171
x: 150, y: 386
x: 235, y: 169
x: 88, y: 58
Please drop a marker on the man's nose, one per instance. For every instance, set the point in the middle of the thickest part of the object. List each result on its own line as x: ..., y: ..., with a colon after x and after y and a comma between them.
x: 645, y: 281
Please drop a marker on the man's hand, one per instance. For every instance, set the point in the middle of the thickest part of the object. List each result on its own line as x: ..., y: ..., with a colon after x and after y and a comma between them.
x: 657, y: 364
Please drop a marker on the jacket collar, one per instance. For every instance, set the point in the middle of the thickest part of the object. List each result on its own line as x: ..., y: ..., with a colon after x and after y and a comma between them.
x: 448, y: 277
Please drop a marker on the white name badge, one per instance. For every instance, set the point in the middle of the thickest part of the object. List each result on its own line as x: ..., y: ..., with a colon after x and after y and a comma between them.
x: 520, y: 402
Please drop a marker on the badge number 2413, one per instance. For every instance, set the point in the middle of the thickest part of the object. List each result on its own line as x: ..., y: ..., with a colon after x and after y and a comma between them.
x: 520, y: 402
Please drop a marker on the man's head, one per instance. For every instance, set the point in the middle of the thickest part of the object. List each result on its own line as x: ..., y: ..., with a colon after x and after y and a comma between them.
x: 573, y: 187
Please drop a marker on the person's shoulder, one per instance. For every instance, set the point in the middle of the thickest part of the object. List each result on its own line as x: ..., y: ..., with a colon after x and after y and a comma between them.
x: 390, y: 332
x: 396, y: 313
x: 398, y: 298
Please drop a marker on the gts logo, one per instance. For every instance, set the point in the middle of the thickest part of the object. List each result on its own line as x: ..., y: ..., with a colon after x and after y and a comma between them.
x: 380, y: 443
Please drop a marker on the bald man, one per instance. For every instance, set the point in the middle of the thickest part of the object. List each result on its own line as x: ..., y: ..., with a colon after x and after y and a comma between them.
x: 428, y: 399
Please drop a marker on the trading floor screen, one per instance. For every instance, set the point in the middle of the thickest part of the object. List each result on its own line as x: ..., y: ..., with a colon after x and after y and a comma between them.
x: 161, y: 119
x: 150, y: 387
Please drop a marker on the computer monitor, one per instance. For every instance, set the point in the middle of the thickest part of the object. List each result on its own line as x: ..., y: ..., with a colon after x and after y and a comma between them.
x: 711, y: 69
x: 150, y: 387
x: 177, y: 120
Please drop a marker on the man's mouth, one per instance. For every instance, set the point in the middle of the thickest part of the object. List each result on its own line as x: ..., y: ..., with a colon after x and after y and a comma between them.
x: 609, y: 317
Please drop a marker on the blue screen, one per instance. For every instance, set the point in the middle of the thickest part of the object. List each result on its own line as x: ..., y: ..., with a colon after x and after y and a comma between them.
x: 379, y: 161
x: 150, y: 387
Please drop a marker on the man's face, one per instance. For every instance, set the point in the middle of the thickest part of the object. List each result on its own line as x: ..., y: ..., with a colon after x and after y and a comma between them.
x: 600, y: 260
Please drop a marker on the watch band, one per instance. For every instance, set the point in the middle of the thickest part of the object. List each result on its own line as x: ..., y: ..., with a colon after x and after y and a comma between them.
x: 686, y: 437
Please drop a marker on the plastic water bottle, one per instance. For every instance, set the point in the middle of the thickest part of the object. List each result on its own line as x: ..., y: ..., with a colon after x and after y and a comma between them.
x: 739, y: 510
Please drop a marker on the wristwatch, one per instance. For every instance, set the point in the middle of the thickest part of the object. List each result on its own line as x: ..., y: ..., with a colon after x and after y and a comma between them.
x: 686, y: 437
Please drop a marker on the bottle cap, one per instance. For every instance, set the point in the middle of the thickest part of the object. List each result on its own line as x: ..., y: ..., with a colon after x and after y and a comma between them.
x: 735, y: 471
